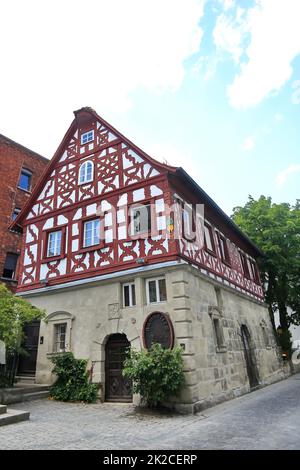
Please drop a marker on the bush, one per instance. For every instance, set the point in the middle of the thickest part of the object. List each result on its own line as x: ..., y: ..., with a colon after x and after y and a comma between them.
x: 72, y: 382
x: 157, y: 374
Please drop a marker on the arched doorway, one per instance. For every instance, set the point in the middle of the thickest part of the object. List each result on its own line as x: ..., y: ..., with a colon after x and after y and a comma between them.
x: 249, y: 357
x: 117, y: 387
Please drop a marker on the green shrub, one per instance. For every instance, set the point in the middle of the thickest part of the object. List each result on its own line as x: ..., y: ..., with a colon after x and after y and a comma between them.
x: 72, y: 382
x: 157, y: 374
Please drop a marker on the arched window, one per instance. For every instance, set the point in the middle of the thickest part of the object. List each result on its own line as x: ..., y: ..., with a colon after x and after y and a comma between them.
x: 86, y: 172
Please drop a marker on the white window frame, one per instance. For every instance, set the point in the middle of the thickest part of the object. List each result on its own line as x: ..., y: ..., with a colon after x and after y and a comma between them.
x: 129, y: 284
x: 156, y: 279
x: 83, y: 170
x: 93, y: 233
x: 55, y: 243
x: 133, y: 209
x: 89, y: 136
x: 55, y: 342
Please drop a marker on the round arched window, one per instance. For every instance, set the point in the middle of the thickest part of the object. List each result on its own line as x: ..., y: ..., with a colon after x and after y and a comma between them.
x: 86, y: 172
x: 158, y: 328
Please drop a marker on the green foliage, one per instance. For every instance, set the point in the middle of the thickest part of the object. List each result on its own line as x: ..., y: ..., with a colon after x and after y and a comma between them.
x: 14, y: 313
x: 157, y: 374
x: 72, y: 382
x: 275, y: 228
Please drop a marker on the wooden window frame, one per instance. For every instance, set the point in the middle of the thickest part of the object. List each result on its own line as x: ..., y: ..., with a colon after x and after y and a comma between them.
x: 79, y: 172
x: 227, y: 259
x: 212, y: 239
x: 45, y: 257
x: 192, y: 211
x: 152, y: 230
x: 245, y: 266
x: 85, y: 133
x: 28, y: 173
x: 101, y: 244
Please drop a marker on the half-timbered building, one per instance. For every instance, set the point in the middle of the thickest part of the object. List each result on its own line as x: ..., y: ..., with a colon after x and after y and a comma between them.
x: 122, y: 250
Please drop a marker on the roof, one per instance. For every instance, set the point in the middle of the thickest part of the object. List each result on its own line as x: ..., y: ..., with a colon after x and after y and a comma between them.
x: 12, y: 143
x: 84, y: 113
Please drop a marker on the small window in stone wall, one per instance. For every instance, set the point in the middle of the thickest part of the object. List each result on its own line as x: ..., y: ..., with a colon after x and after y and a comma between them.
x: 218, y: 333
x: 216, y: 318
x: 266, y: 336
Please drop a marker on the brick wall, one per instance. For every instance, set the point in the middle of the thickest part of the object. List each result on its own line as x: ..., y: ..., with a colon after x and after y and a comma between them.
x: 14, y: 157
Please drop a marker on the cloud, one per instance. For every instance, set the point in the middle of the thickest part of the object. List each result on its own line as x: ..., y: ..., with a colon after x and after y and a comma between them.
x: 263, y: 40
x: 283, y: 176
x: 58, y: 56
x: 249, y: 144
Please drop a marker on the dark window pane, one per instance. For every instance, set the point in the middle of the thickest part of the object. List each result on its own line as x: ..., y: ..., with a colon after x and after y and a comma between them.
x: 218, y: 332
x: 126, y: 296
x: 152, y: 291
x: 133, y: 294
x: 10, y: 265
x: 208, y: 238
x: 162, y: 290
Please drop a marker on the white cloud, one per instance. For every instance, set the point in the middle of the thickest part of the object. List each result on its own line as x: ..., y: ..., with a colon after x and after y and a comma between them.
x: 283, y: 176
x: 249, y: 144
x: 58, y: 56
x: 264, y: 40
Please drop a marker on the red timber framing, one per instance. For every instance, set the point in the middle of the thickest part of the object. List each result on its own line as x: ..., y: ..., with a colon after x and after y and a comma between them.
x: 123, y: 176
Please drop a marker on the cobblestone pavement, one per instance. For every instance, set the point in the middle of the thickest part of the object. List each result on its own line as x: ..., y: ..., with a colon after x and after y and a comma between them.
x: 266, y: 419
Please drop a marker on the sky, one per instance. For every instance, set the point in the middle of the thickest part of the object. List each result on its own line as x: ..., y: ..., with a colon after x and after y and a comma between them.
x: 209, y: 85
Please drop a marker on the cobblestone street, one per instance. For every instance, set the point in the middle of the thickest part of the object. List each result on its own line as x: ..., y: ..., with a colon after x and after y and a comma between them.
x: 266, y: 419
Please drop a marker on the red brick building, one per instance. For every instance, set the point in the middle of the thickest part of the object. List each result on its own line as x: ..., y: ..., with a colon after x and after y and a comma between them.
x: 20, y: 169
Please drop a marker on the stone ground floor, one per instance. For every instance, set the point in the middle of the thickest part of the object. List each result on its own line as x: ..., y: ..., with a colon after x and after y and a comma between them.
x: 268, y: 418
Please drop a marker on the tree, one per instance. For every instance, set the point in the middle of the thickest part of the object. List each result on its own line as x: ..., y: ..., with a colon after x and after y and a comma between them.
x: 157, y: 374
x: 14, y: 313
x: 275, y: 228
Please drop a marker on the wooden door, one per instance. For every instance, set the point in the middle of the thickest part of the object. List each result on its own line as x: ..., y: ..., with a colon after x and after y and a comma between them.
x: 249, y: 357
x: 117, y: 387
x: 27, y: 364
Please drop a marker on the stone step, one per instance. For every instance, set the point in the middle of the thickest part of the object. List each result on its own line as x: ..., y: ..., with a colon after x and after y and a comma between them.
x: 3, y: 409
x: 27, y: 379
x: 18, y: 394
x: 13, y: 416
x: 35, y: 395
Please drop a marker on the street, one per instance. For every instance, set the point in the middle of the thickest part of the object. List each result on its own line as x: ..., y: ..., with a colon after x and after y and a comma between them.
x: 265, y: 419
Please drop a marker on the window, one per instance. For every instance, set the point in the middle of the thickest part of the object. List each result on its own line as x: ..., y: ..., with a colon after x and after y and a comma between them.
x: 91, y: 233
x: 86, y: 172
x: 140, y: 219
x: 25, y: 180
x: 223, y: 249
x: 188, y: 223
x: 156, y: 290
x: 218, y: 333
x: 254, y: 272
x: 10, y: 265
x: 87, y: 137
x: 54, y: 244
x: 15, y: 213
x: 245, y: 265
x: 129, y: 295
x: 209, y: 239
x: 60, y: 331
